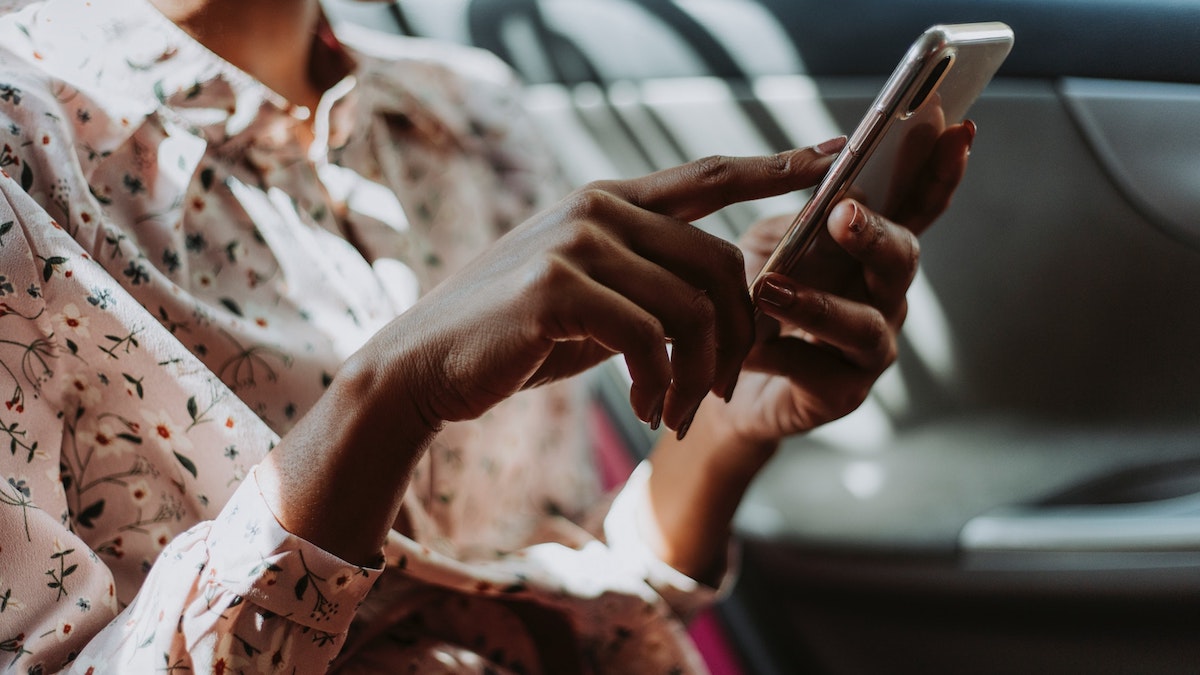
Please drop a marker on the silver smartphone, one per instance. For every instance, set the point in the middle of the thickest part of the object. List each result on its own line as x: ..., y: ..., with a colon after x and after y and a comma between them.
x: 938, y: 79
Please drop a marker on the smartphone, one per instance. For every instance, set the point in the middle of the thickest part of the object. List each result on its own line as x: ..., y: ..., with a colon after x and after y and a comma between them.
x: 932, y: 87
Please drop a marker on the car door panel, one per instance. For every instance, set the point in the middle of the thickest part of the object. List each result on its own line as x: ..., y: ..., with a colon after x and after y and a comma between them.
x: 1144, y: 135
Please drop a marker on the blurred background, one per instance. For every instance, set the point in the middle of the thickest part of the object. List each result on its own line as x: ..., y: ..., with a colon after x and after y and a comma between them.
x: 1021, y: 492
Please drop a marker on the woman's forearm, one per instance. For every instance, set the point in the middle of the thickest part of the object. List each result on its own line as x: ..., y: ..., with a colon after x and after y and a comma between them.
x: 695, y: 488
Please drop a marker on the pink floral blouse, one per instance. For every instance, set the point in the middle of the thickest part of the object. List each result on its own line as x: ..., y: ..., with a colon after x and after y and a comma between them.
x: 179, y: 281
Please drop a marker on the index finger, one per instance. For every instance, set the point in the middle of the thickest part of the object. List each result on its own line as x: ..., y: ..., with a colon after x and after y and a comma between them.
x: 696, y: 189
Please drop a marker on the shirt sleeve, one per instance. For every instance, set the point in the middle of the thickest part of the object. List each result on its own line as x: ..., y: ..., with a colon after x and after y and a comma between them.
x: 249, y: 597
x: 624, y: 525
x: 116, y: 440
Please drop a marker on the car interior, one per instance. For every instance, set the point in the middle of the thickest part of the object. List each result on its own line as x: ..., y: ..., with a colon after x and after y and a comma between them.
x: 1021, y: 491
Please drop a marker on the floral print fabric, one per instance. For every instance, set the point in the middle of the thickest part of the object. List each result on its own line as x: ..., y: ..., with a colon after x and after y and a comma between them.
x: 179, y: 280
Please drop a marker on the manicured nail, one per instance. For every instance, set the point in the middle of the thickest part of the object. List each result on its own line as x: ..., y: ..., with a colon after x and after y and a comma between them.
x: 656, y: 417
x: 775, y: 293
x: 687, y: 423
x: 732, y: 385
x: 831, y: 146
x: 857, y: 221
x: 683, y: 429
x: 971, y: 131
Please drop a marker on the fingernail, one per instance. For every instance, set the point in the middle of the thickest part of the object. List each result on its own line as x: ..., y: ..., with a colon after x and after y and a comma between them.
x: 683, y: 429
x: 857, y: 222
x: 656, y: 417
x: 687, y: 423
x: 971, y: 131
x: 775, y: 293
x: 732, y: 385
x: 831, y: 146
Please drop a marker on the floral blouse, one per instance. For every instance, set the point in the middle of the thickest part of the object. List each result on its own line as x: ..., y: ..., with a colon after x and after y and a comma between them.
x: 180, y: 279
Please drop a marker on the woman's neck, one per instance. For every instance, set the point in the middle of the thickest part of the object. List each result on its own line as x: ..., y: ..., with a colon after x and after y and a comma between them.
x: 269, y: 39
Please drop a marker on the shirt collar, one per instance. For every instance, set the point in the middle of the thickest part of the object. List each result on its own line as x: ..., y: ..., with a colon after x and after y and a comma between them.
x: 133, y: 62
x: 135, y: 65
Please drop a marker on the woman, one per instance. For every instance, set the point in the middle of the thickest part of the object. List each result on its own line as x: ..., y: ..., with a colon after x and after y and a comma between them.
x: 225, y: 232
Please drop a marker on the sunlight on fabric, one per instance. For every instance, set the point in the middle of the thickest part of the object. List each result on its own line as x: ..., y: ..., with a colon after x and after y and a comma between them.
x: 178, y: 157
x: 459, y: 658
x: 363, y: 196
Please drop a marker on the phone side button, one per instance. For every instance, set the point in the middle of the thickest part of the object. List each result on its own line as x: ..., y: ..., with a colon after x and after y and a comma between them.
x: 867, y: 131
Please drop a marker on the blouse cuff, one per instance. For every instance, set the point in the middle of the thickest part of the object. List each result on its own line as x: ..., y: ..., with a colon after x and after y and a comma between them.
x: 252, y: 555
x: 624, y: 527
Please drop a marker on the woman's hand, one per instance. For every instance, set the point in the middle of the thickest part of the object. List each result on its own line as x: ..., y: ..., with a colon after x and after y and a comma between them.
x: 834, y: 324
x: 615, y: 268
x: 828, y: 333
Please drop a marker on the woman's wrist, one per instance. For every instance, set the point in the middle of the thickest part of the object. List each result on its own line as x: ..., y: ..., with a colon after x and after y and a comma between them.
x: 341, y: 473
x: 695, y: 488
